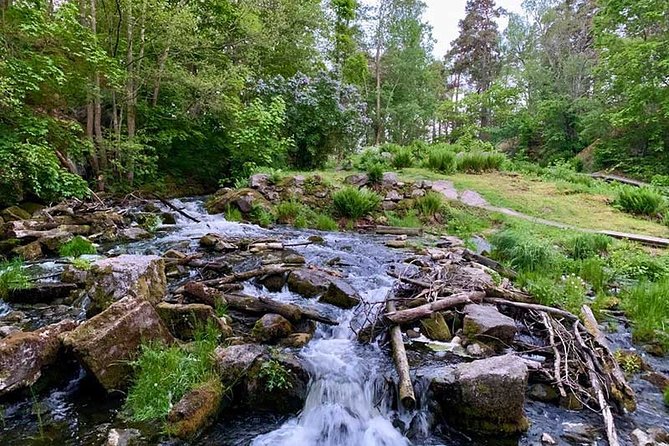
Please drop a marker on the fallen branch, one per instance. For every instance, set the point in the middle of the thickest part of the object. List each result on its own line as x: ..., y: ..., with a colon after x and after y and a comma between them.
x: 406, y: 392
x: 174, y: 208
x: 246, y: 275
x: 410, y: 315
x: 535, y: 307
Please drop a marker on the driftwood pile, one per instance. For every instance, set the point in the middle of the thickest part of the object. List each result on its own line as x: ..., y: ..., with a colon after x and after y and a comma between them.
x: 578, y: 360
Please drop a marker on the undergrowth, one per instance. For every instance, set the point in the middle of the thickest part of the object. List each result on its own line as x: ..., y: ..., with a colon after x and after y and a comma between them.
x: 648, y: 307
x: 77, y: 247
x: 351, y: 202
x: 12, y: 277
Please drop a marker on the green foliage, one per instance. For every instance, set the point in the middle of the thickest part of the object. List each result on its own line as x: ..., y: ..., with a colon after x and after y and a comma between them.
x: 640, y: 201
x: 287, y: 211
x: 630, y: 362
x: 12, y: 277
x: 630, y: 263
x: 463, y: 222
x: 477, y: 162
x: 429, y: 204
x: 232, y: 213
x: 150, y: 222
x: 275, y: 375
x: 369, y: 157
x: 567, y: 292
x: 409, y: 220
x: 375, y: 173
x: 594, y: 271
x: 257, y: 140
x: 81, y: 264
x: 648, y: 308
x: 351, y: 202
x: 523, y: 252
x: 585, y: 246
x: 666, y: 397
x: 77, y: 247
x: 263, y: 217
x: 325, y: 223
x: 164, y: 374
x: 403, y: 158
x: 441, y: 159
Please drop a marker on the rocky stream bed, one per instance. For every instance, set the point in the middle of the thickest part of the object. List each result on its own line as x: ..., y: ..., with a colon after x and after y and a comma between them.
x: 324, y: 306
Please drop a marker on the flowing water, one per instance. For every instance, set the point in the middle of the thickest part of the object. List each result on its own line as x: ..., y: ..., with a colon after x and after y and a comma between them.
x: 351, y: 399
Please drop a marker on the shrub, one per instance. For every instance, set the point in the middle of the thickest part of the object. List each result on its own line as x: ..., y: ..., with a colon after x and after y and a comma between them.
x: 77, y: 247
x: 647, y: 306
x: 640, y: 201
x: 150, y: 222
x: 403, y: 158
x: 164, y: 374
x: 355, y: 203
x: 630, y: 262
x: 262, y: 216
x: 584, y: 246
x: 441, y: 159
x: 325, y: 223
x: 12, y: 277
x: 375, y: 173
x: 566, y: 292
x: 410, y: 220
x: 368, y: 158
x: 430, y: 204
x: 275, y: 375
x: 475, y: 162
x: 287, y: 211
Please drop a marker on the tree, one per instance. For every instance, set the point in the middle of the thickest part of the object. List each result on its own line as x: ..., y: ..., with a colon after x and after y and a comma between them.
x: 475, y: 54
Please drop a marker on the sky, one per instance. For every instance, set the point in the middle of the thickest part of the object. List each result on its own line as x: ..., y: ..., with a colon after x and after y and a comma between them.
x: 444, y: 16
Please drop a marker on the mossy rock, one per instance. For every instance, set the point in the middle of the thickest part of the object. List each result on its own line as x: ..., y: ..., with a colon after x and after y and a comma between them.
x: 246, y: 200
x: 196, y: 410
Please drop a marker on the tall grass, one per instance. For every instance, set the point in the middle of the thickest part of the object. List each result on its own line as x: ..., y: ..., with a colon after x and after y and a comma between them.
x: 12, y: 277
x: 441, y: 158
x: 287, y: 211
x: 584, y: 246
x: 232, y: 213
x: 640, y: 201
x: 430, y: 204
x: 476, y: 162
x: 647, y: 305
x: 403, y: 158
x: 410, y: 220
x: 77, y: 247
x: 524, y: 253
x: 325, y: 223
x: 351, y: 202
x: 375, y: 173
x: 164, y: 374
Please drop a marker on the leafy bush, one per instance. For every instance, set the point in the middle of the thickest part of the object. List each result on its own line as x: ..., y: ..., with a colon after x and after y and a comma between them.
x: 648, y: 308
x: 77, y: 247
x: 375, y: 173
x: 475, y: 162
x: 355, y: 203
x: 441, y: 159
x: 410, y: 220
x: 263, y: 217
x: 164, y: 374
x: 275, y: 375
x: 567, y: 292
x: 12, y: 277
x: 369, y: 157
x: 430, y: 204
x: 640, y: 201
x: 584, y: 246
x: 630, y: 262
x: 403, y: 158
x: 325, y: 223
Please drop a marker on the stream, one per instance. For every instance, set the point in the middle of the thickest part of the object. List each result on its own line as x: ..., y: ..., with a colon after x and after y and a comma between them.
x: 351, y: 398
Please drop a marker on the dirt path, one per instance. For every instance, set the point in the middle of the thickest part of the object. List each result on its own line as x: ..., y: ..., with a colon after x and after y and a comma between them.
x: 474, y: 199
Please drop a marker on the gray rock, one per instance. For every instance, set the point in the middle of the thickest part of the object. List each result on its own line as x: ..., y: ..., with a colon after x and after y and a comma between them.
x: 183, y: 320
x: 134, y: 234
x: 359, y: 180
x: 485, y: 323
x: 107, y: 343
x: 24, y: 355
x: 340, y: 294
x: 258, y: 181
x: 579, y: 433
x: 389, y: 179
x: 393, y: 195
x: 123, y: 437
x: 110, y: 280
x: 436, y: 328
x: 31, y: 251
x: 485, y: 396
x: 388, y: 205
x: 272, y: 327
x: 548, y: 439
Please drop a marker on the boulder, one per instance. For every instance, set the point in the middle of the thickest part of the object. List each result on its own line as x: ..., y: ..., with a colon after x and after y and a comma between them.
x: 24, y: 355
x: 108, y: 342
x: 340, y: 294
x: 258, y: 181
x: 297, y: 340
x: 263, y: 380
x: 436, y: 328
x: 134, y: 234
x: 390, y: 179
x: 271, y: 327
x: 332, y: 290
x: 485, y: 396
x: 196, y: 410
x: 31, y: 251
x: 273, y: 282
x: 579, y: 433
x: 183, y: 320
x: 485, y: 323
x: 243, y: 199
x: 168, y: 218
x: 112, y: 279
x: 13, y: 213
x: 124, y: 437
x: 359, y: 179
x: 393, y: 195
x: 45, y: 292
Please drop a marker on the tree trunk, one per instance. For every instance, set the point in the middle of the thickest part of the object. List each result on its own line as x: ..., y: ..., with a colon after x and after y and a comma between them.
x: 414, y: 314
x: 406, y: 392
x: 161, y: 66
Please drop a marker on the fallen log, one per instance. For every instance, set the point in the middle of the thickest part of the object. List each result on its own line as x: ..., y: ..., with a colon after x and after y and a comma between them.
x: 535, y: 307
x: 406, y: 392
x: 174, y: 208
x: 254, y: 305
x: 492, y: 264
x: 410, y: 315
x: 392, y: 230
x: 246, y: 275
